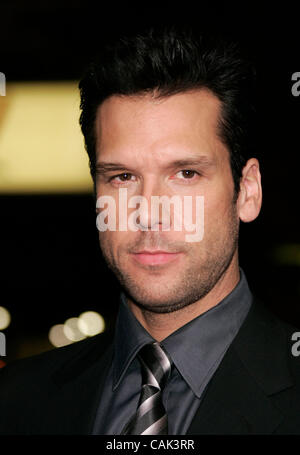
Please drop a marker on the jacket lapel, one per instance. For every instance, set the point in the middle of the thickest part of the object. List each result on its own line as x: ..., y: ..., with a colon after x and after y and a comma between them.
x: 238, y: 399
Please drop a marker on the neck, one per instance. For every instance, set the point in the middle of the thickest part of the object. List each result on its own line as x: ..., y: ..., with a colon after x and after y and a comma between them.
x: 161, y: 325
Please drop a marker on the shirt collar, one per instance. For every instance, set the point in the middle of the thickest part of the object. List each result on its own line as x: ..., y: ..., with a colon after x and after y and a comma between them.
x: 194, y: 347
x: 130, y: 337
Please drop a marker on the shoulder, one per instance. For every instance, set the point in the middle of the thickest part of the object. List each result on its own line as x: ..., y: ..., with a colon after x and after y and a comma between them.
x: 262, y: 318
x: 289, y: 332
x: 36, y: 393
x: 291, y: 337
x: 270, y: 346
x: 47, y: 363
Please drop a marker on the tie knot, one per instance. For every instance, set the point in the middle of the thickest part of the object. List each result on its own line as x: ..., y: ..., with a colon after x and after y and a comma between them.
x: 156, y: 365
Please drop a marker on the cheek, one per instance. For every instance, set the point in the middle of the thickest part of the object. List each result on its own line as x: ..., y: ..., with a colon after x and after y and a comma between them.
x: 218, y: 210
x: 112, y: 242
x: 106, y: 242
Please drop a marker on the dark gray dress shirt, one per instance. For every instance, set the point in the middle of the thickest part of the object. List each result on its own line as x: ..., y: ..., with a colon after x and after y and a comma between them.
x: 196, y: 349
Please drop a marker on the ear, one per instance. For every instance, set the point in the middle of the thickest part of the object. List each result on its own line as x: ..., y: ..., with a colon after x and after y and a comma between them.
x: 250, y: 197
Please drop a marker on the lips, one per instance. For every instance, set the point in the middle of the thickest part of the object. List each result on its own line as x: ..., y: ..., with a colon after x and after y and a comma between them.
x: 155, y: 257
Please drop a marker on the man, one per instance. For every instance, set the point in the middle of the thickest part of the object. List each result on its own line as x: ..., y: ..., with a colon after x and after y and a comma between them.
x: 168, y: 113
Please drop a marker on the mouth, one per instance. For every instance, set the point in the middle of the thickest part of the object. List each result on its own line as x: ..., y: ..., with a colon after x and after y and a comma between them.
x: 155, y: 257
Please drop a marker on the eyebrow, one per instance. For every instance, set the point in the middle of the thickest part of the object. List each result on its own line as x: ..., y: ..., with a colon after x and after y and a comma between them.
x: 204, y: 161
x: 102, y: 167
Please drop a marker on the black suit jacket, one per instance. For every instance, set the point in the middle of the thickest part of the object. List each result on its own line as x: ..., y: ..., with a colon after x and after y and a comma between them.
x: 255, y: 390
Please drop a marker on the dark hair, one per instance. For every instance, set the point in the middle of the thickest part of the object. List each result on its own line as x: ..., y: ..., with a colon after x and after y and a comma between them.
x: 172, y: 60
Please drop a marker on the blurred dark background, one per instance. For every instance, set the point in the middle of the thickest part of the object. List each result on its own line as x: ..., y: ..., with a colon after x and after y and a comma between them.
x: 52, y: 267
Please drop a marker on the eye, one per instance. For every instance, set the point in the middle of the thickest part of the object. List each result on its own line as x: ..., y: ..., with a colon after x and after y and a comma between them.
x: 125, y: 177
x: 187, y: 173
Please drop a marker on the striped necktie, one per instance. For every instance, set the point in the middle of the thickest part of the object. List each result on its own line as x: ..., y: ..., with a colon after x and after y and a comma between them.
x: 150, y: 417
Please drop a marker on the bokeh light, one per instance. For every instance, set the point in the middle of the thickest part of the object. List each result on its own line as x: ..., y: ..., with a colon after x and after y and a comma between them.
x: 57, y: 337
x: 71, y: 330
x: 88, y: 324
x: 5, y: 318
x: 91, y: 323
x: 37, y: 159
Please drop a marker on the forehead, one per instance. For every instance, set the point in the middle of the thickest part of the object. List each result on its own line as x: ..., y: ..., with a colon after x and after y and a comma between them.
x: 134, y: 125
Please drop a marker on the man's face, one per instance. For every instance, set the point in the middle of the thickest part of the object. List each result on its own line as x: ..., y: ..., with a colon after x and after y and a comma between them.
x: 167, y: 147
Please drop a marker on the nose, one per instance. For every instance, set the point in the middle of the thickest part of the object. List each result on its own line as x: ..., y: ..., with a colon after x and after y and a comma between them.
x: 151, y: 215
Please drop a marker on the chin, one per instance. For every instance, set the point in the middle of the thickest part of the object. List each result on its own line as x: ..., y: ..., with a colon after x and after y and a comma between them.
x: 158, y: 307
x: 156, y: 302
